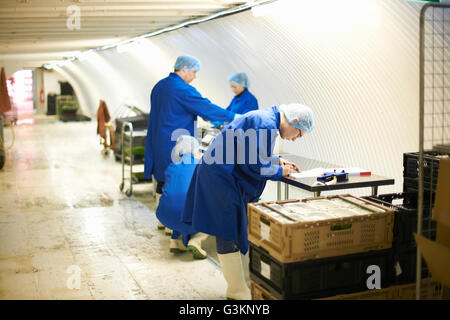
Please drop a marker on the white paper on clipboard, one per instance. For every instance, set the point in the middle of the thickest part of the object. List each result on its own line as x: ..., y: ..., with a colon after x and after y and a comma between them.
x: 317, y: 172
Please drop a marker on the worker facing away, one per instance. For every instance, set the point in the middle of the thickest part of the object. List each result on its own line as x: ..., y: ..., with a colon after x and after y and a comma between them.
x: 175, y: 105
x: 178, y: 176
x: 243, y: 101
x: 220, y: 190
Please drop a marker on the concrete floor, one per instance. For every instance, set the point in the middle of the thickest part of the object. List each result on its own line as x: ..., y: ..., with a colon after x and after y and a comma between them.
x: 67, y: 232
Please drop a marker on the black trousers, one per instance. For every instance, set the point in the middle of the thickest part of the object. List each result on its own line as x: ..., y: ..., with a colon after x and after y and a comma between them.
x: 159, y: 186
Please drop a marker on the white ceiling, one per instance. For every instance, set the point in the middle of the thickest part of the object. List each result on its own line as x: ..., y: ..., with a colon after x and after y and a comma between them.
x: 36, y: 31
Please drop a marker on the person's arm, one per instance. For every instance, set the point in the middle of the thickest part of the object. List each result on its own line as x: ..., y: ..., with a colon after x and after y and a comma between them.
x: 267, y: 165
x: 192, y: 101
x: 284, y: 162
x: 248, y: 105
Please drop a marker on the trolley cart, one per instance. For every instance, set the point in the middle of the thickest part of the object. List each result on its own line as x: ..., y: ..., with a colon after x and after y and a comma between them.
x: 132, y: 157
x: 207, y: 136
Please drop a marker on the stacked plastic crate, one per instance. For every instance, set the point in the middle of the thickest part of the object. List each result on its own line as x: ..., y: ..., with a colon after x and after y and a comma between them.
x: 405, y: 222
x: 405, y: 225
x: 411, y: 172
x: 320, y: 247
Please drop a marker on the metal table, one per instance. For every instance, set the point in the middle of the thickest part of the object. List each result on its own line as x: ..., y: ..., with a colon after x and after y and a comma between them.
x: 373, y: 181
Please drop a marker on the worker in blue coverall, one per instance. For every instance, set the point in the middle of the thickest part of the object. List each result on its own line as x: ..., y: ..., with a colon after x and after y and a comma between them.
x: 175, y: 105
x: 243, y: 101
x: 178, y: 176
x: 233, y: 172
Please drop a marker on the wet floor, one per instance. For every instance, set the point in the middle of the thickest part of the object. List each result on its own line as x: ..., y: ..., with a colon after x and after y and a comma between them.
x: 67, y: 232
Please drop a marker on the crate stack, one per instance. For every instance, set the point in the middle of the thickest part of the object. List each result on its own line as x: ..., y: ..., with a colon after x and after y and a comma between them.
x: 320, y: 247
x: 431, y: 160
x: 405, y: 222
x: 404, y: 248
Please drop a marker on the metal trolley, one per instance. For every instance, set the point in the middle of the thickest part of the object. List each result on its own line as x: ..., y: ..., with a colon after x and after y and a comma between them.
x: 129, y: 158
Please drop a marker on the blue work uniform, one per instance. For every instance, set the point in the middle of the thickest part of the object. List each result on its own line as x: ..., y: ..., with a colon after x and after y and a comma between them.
x: 170, y: 209
x: 241, y: 103
x: 174, y: 105
x: 218, y: 195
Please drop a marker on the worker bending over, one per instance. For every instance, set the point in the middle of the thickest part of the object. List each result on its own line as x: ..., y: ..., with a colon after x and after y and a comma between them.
x: 185, y: 157
x: 233, y: 172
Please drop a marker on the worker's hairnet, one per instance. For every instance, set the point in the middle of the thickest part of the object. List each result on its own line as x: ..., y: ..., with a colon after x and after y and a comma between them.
x: 185, y: 144
x: 240, y: 79
x: 298, y: 115
x: 187, y: 63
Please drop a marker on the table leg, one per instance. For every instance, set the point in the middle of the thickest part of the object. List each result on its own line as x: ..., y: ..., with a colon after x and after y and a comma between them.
x: 279, y: 190
x: 286, y: 191
x: 374, y: 190
x: 316, y: 193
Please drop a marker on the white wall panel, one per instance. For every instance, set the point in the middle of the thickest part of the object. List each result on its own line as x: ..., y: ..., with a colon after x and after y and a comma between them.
x: 356, y: 63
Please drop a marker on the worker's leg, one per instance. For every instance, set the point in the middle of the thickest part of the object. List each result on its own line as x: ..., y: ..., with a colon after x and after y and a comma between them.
x: 232, y: 268
x: 176, y: 245
x: 159, y: 186
x: 168, y: 231
x: 195, y: 245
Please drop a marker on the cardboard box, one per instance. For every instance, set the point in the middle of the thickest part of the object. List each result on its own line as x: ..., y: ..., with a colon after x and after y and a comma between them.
x: 437, y: 253
x: 429, y: 290
x: 441, y: 210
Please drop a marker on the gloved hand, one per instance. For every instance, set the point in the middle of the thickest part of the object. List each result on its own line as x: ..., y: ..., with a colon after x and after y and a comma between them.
x: 216, y: 124
x: 237, y: 116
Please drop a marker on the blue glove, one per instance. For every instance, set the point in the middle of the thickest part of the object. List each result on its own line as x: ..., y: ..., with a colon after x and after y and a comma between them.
x: 216, y: 123
x: 237, y: 116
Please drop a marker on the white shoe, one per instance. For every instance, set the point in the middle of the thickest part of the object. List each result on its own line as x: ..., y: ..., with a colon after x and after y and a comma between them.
x: 177, y: 246
x: 233, y: 273
x: 173, y: 246
x: 160, y: 225
x: 195, y: 245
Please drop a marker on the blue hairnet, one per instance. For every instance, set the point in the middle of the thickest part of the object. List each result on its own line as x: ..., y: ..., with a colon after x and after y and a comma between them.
x: 187, y: 63
x: 185, y: 144
x: 240, y: 79
x: 303, y: 114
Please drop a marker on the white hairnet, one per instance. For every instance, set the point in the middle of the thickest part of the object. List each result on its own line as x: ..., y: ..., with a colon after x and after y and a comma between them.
x: 303, y: 114
x: 240, y: 78
x: 185, y: 144
x: 187, y: 63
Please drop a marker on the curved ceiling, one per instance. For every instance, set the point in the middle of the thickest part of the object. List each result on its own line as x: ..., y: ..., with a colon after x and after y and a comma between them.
x: 44, y: 31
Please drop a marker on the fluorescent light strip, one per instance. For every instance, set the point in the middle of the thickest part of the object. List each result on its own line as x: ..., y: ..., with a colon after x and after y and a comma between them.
x: 155, y: 33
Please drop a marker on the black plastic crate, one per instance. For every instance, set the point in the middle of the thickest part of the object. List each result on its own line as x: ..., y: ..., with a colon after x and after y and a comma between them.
x: 139, y: 122
x: 431, y: 161
x: 51, y: 104
x: 404, y: 266
x: 405, y: 218
x: 138, y: 141
x: 404, y: 248
x: 411, y: 185
x: 318, y: 278
x: 413, y: 195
